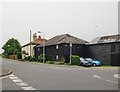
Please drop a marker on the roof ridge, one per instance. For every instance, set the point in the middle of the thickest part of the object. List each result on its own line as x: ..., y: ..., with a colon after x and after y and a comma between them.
x: 111, y: 35
x: 60, y: 38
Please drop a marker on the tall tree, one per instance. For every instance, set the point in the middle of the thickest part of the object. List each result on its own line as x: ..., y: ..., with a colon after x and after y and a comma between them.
x: 11, y: 46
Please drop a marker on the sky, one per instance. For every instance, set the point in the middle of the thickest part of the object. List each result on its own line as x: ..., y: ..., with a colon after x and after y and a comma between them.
x: 85, y: 20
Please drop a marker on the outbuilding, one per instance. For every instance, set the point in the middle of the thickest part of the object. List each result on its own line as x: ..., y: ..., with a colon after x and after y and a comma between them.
x: 105, y: 49
x: 60, y: 47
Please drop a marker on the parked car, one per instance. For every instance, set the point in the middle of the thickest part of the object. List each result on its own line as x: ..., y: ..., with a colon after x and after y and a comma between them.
x: 94, y: 62
x: 84, y: 62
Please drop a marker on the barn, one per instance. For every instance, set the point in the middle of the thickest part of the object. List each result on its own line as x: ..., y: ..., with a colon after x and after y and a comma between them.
x: 105, y: 48
x: 60, y: 47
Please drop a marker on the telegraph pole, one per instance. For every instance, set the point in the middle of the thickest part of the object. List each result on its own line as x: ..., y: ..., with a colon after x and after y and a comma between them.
x: 30, y: 42
x: 43, y: 45
x: 14, y: 48
x: 70, y: 52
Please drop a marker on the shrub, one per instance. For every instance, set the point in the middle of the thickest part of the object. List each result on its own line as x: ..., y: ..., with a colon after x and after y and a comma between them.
x: 29, y: 58
x: 75, y: 60
x: 19, y: 55
x: 61, y: 63
x: 41, y: 57
x: 26, y: 58
x: 4, y: 55
x: 50, y: 62
x: 22, y: 59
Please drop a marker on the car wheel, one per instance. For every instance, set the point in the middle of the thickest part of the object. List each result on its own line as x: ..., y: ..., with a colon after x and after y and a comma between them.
x: 94, y: 64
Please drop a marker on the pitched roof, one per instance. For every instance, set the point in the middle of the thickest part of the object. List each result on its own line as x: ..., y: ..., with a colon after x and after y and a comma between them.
x: 35, y: 42
x: 106, y: 39
x: 65, y: 38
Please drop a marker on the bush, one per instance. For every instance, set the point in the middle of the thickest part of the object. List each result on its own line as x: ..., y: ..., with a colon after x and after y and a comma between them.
x: 75, y: 60
x: 26, y: 58
x: 61, y: 63
x: 40, y: 58
x: 23, y: 60
x: 50, y: 62
x: 3, y: 56
x: 19, y: 55
x: 29, y: 58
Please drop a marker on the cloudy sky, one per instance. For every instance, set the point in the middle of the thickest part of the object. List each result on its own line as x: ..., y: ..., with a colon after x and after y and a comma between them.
x: 85, y: 20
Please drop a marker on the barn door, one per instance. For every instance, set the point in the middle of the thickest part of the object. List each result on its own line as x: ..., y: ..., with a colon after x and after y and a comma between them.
x: 115, y: 59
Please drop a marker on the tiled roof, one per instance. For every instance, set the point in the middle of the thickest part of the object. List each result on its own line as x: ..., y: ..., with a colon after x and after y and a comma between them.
x: 65, y: 38
x: 35, y: 42
x: 106, y: 39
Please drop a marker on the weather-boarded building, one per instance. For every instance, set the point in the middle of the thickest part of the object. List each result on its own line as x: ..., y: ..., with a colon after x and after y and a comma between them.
x: 105, y: 48
x: 60, y: 47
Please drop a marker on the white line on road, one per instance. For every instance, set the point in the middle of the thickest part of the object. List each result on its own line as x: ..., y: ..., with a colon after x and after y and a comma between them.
x: 20, y: 83
x: 117, y: 75
x: 17, y: 80
x: 28, y: 88
x: 11, y: 75
x: 96, y: 76
x: 3, y: 77
x: 13, y: 78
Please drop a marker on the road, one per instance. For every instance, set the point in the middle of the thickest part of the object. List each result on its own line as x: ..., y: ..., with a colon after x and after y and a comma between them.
x: 34, y: 76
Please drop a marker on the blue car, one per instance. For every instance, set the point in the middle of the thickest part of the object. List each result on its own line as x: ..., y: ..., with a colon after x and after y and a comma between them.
x: 94, y: 62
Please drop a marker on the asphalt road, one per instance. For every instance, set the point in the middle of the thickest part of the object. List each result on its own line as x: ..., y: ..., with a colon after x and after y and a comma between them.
x: 33, y: 76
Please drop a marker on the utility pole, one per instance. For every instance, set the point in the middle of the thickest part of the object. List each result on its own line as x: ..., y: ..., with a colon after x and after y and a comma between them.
x: 30, y: 42
x: 14, y: 48
x: 70, y: 52
x: 43, y: 45
x: 43, y: 48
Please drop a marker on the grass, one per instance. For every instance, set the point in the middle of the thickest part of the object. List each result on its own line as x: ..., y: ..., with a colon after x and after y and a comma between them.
x: 67, y: 64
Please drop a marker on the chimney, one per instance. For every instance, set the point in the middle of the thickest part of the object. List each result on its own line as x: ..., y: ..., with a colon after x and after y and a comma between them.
x: 39, y: 37
x: 34, y: 36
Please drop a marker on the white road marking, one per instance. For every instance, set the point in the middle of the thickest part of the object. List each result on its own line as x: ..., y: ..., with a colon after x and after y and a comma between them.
x: 13, y: 78
x: 17, y: 80
x: 96, y: 76
x: 117, y: 75
x: 3, y: 77
x: 28, y: 88
x: 11, y: 75
x: 20, y: 83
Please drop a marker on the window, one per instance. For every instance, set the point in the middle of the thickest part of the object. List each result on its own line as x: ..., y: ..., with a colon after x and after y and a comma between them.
x: 57, y: 57
x: 56, y: 46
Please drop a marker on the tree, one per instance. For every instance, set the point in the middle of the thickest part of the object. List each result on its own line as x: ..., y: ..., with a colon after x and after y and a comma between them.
x: 11, y: 47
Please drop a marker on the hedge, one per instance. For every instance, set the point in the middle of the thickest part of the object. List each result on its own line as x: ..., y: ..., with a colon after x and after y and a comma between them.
x: 75, y: 60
